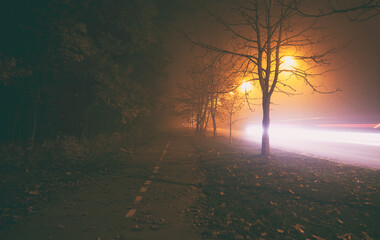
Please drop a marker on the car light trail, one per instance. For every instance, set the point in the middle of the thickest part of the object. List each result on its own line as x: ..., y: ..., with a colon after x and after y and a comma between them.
x: 290, y: 135
x: 348, y: 125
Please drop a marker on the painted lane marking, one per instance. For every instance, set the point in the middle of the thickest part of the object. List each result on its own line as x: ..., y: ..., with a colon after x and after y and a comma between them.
x: 130, y: 213
x: 166, y: 148
x: 138, y: 199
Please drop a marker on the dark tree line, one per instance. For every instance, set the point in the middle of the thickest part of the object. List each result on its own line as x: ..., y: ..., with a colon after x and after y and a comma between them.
x: 198, y: 97
x: 77, y: 67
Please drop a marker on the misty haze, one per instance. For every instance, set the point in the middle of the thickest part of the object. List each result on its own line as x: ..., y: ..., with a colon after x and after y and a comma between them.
x: 168, y: 119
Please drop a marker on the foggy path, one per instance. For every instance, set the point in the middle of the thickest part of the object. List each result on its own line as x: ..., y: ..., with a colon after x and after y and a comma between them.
x: 147, y: 199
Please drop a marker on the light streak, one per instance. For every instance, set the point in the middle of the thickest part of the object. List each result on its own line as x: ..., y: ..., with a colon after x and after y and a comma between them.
x: 377, y: 126
x: 302, y: 119
x: 348, y: 125
x: 290, y: 135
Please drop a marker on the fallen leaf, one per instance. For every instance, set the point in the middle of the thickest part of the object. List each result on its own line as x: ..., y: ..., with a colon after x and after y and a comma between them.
x: 299, y: 228
x: 318, y: 238
x: 366, y: 236
x: 136, y: 228
x: 346, y: 236
x: 34, y: 192
x: 273, y: 203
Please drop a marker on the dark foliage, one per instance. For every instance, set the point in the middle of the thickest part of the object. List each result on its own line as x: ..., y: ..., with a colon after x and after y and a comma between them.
x: 77, y: 67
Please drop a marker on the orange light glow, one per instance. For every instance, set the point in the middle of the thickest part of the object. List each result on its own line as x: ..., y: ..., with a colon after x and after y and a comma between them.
x: 288, y: 63
x: 246, y: 87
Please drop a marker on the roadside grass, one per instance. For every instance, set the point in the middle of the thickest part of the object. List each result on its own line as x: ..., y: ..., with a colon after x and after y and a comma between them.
x: 30, y: 178
x: 287, y: 196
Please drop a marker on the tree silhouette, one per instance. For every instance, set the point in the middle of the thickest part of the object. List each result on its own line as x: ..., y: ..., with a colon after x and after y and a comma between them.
x: 230, y: 104
x: 261, y: 34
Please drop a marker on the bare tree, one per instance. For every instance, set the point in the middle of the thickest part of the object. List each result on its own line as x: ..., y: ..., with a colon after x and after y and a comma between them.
x: 263, y: 35
x: 230, y: 104
x: 193, y: 99
x: 358, y: 10
x: 198, y: 96
x: 223, y: 80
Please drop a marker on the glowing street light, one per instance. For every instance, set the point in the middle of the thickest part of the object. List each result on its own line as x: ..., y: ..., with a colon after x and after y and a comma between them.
x: 288, y: 63
x: 245, y: 87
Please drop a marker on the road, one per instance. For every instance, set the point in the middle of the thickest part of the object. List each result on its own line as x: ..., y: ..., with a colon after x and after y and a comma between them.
x: 353, y: 148
x: 148, y: 199
x: 184, y: 187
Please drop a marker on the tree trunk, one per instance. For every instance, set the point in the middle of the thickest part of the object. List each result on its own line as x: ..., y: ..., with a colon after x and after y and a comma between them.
x: 230, y: 139
x: 213, y: 112
x: 265, y: 147
x: 203, y: 118
x: 213, y: 124
x: 206, y: 123
x: 198, y: 123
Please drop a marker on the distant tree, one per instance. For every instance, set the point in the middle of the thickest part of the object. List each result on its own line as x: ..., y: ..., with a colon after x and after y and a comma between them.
x: 263, y: 36
x: 193, y: 99
x: 230, y: 105
x: 198, y: 96
x: 223, y: 79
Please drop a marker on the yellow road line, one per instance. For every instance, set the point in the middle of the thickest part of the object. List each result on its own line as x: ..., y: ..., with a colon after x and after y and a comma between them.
x: 130, y: 213
x: 166, y: 148
x: 138, y: 199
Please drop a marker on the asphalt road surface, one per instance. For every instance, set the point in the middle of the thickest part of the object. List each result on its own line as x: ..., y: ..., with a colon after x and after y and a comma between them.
x: 184, y: 187
x: 146, y: 200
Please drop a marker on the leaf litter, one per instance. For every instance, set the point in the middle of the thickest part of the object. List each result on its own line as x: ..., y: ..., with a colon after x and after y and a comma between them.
x: 297, y: 197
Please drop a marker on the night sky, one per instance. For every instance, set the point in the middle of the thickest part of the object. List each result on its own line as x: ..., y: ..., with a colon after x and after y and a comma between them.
x: 355, y: 72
